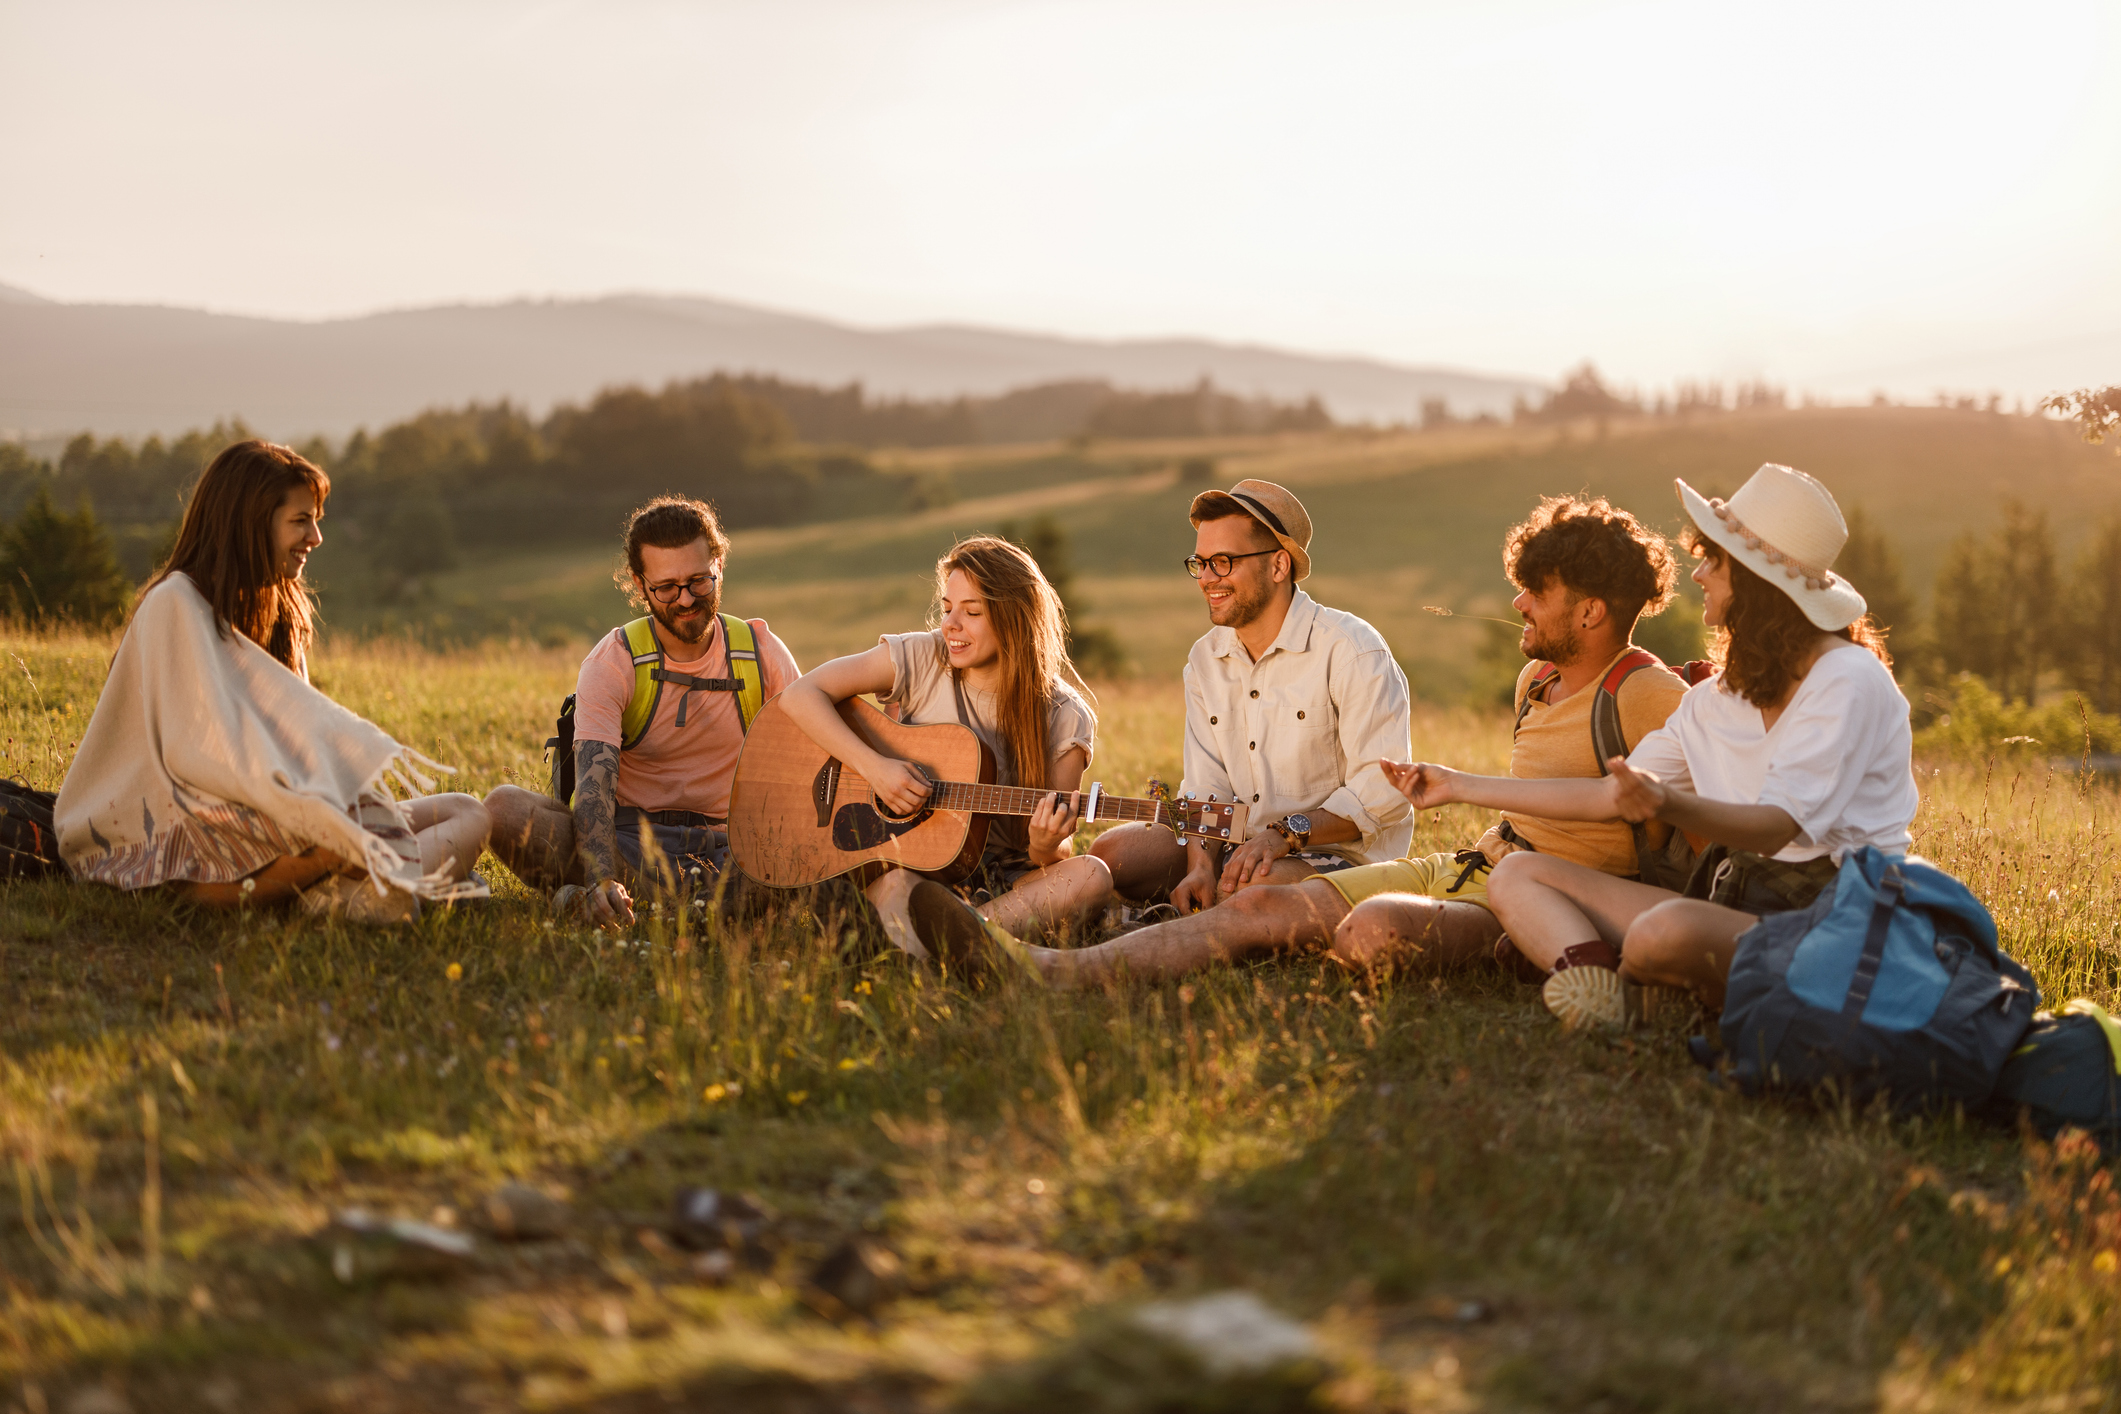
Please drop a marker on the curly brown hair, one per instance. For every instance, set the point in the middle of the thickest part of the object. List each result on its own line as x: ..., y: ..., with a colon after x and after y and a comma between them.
x: 1765, y: 635
x: 1600, y: 552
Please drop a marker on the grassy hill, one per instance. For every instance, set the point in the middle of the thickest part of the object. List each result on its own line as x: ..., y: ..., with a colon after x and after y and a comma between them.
x: 1403, y: 520
x: 1472, y: 1209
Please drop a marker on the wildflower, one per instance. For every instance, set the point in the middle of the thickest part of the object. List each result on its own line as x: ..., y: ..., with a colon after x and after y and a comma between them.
x: 2105, y: 1263
x: 863, y: 987
x: 250, y: 886
x: 456, y: 972
x: 715, y: 1093
x: 796, y: 1097
x: 2003, y: 1266
x: 849, y: 1063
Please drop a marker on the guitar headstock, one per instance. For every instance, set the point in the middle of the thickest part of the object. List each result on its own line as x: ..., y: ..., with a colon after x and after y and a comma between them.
x: 1215, y: 821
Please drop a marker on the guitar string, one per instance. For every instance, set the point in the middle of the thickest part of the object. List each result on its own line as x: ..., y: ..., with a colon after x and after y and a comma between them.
x: 984, y: 799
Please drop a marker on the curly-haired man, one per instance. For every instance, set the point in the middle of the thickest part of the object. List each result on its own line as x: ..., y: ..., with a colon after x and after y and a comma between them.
x: 1586, y: 572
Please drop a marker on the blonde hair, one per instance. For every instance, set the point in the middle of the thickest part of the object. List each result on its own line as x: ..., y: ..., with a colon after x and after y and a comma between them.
x: 1032, y: 629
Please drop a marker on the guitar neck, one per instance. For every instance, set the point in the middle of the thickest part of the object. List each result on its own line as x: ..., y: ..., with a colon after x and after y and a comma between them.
x: 979, y: 799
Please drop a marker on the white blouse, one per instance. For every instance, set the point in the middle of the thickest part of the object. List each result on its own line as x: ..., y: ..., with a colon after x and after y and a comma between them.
x: 1838, y: 759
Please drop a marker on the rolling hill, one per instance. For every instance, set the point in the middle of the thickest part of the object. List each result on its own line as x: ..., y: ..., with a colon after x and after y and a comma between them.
x: 1402, y: 521
x: 136, y: 369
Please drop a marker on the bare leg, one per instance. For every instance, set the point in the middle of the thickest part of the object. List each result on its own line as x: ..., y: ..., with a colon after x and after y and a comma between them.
x: 1255, y: 922
x: 1416, y: 932
x: 1146, y: 861
x: 1549, y: 905
x: 533, y: 835
x: 275, y: 883
x: 1062, y: 895
x: 1686, y: 943
x: 452, y: 831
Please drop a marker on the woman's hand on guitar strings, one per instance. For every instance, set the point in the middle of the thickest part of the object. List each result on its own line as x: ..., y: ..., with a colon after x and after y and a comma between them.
x: 899, y: 786
x: 1052, y: 826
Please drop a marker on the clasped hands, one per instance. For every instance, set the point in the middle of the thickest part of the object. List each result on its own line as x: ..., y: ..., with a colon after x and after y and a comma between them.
x: 1636, y: 796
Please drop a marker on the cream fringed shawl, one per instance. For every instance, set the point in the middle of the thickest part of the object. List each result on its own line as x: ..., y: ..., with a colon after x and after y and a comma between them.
x: 207, y: 759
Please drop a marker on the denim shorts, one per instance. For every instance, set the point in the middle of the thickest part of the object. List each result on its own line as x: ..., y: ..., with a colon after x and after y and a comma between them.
x: 694, y: 846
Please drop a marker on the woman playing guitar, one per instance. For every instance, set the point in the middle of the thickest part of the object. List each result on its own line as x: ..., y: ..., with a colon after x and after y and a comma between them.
x: 997, y: 662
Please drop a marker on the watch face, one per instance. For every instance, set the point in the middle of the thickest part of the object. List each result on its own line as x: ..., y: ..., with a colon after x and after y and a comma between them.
x: 1301, y: 824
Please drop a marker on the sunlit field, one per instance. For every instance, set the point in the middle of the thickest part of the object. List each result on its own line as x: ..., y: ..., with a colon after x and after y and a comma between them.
x: 1468, y: 1207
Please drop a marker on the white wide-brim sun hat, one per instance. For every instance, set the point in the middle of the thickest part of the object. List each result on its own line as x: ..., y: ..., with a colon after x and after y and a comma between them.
x: 1784, y: 526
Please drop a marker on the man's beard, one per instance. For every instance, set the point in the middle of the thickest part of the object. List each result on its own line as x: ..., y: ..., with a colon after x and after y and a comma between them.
x: 1243, y: 607
x: 1547, y: 647
x: 699, y: 626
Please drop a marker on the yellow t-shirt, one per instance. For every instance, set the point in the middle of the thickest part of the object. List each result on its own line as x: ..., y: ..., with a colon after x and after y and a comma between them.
x: 1554, y: 740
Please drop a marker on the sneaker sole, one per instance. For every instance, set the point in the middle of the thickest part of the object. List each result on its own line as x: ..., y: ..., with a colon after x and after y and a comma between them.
x: 1587, y: 997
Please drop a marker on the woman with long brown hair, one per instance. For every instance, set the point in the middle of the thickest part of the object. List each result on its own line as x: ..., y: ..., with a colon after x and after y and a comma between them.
x: 213, y: 766
x: 996, y: 660
x: 1795, y: 754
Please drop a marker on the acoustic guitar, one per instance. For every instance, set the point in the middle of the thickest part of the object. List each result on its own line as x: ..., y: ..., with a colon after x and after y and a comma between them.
x: 798, y: 815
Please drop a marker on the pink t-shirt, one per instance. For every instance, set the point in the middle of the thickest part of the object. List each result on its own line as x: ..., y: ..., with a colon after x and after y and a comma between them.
x: 675, y: 768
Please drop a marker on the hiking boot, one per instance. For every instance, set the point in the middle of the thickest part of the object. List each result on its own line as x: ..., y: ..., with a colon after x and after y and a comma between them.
x: 1586, y: 988
x: 1584, y: 997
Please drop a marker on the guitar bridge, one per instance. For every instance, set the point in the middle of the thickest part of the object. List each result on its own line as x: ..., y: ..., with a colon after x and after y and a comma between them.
x: 824, y: 788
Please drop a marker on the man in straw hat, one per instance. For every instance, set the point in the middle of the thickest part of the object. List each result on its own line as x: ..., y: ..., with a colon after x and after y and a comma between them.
x: 1797, y: 753
x: 1586, y: 573
x: 1289, y: 707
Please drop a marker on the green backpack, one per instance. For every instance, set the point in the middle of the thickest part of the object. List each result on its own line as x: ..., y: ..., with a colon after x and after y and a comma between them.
x: 741, y: 663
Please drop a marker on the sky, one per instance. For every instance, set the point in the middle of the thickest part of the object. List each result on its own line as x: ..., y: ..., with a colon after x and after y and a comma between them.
x: 1836, y: 197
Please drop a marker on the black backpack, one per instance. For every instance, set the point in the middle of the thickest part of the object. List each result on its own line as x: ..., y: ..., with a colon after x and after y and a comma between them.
x: 2065, y: 1074
x: 29, y: 846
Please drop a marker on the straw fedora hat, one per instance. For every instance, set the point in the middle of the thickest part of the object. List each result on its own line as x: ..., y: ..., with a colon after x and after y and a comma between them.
x: 1784, y: 526
x: 1273, y: 507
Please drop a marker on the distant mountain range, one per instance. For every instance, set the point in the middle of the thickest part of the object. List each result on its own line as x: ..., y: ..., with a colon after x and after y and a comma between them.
x: 136, y: 369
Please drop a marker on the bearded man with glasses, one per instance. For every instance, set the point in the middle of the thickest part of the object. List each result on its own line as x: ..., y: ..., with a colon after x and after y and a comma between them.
x: 659, y: 715
x: 1290, y: 706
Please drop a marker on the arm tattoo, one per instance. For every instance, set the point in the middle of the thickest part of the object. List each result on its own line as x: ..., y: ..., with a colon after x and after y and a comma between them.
x: 596, y: 831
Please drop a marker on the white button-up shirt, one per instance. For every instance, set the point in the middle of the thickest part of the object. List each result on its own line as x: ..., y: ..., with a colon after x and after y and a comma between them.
x: 1303, y: 728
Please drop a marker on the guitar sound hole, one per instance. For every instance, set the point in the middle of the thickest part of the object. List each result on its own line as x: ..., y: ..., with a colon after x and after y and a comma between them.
x: 857, y: 827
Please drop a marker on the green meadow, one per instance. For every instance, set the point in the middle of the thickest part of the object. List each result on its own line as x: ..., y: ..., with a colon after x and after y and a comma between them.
x: 1467, y: 1208
x: 1404, y: 521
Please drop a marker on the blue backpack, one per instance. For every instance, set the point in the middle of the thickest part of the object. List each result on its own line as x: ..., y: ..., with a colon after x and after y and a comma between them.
x: 1890, y: 984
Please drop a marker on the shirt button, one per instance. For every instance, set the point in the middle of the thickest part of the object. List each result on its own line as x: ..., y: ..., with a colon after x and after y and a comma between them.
x: 1255, y: 692
x: 1255, y: 798
x: 1211, y: 721
x: 1251, y: 746
x: 1299, y: 716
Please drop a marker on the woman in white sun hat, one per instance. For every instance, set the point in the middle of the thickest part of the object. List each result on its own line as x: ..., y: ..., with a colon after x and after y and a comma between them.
x: 1796, y: 753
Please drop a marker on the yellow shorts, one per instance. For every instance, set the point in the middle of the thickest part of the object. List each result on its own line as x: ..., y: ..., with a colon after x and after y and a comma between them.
x: 1431, y: 876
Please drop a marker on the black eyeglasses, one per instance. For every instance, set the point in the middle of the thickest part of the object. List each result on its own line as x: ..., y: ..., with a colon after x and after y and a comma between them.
x: 697, y: 587
x: 1221, y: 564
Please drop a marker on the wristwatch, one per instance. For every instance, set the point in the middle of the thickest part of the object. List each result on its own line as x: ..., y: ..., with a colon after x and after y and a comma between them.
x: 1294, y: 828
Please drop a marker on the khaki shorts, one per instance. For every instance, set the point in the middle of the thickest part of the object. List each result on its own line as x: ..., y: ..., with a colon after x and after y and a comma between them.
x: 1432, y: 876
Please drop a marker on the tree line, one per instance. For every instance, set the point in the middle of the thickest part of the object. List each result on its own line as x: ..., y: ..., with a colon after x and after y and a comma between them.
x: 410, y: 498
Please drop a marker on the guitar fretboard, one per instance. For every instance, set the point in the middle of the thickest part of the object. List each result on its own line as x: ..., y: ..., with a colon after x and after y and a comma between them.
x: 1022, y: 800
